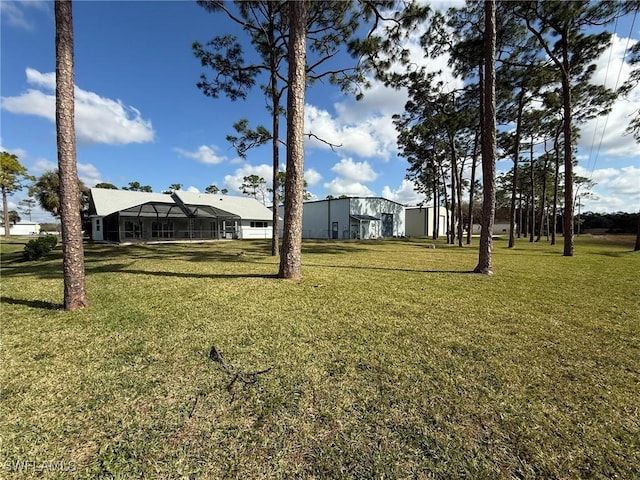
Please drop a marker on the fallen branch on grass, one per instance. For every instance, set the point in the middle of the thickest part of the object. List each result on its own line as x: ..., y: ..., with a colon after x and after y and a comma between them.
x: 245, y: 377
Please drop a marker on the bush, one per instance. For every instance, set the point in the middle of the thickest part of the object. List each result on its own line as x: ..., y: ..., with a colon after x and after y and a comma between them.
x: 50, y: 240
x: 35, y: 249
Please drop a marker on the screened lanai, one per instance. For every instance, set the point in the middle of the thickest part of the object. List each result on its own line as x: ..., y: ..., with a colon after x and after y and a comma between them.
x: 132, y: 216
x: 169, y: 221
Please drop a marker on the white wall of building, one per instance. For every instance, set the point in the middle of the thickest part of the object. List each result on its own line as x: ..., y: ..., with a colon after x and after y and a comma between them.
x: 333, y: 219
x: 255, y: 230
x: 24, y: 229
x: 420, y: 221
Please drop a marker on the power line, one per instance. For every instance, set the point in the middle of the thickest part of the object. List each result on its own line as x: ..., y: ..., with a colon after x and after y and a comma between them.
x: 622, y: 63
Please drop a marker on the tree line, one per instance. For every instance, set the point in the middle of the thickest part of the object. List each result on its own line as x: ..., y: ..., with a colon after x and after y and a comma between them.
x: 544, y: 93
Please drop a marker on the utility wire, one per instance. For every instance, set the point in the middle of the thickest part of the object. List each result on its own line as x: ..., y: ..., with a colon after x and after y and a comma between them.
x: 604, y: 128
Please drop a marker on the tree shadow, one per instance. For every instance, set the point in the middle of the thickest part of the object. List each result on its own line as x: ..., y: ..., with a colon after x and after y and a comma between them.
x: 31, y: 303
x: 198, y: 275
x: 609, y: 253
x: 388, y: 269
x: 337, y: 246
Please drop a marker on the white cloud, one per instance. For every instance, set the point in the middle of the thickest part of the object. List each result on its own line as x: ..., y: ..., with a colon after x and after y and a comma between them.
x: 89, y: 174
x: 616, y: 189
x: 204, y: 154
x: 193, y: 189
x: 365, y: 128
x: 355, y: 171
x: 18, y: 152
x: 404, y: 194
x: 359, y: 138
x: 98, y: 119
x: 43, y: 165
x: 605, y: 136
x: 341, y: 186
x: 312, y: 177
x: 15, y: 14
x: 234, y: 181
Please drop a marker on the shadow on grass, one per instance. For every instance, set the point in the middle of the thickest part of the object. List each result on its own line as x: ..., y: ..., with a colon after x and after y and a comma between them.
x: 188, y: 252
x: 388, y: 269
x: 197, y: 275
x: 338, y: 246
x: 615, y: 254
x: 31, y: 303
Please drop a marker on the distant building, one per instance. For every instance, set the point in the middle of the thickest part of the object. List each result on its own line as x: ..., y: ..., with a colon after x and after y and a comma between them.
x: 125, y: 216
x: 352, y: 218
x: 23, y: 229
x: 498, y: 228
x: 420, y: 221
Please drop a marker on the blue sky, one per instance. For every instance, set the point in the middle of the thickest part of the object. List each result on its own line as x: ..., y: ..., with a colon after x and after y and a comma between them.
x: 140, y: 116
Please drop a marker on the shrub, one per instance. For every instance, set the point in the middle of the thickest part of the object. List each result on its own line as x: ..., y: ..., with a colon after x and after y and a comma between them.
x: 50, y: 240
x: 37, y: 248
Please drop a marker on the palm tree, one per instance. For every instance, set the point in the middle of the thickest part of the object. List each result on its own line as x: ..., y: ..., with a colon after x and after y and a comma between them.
x: 46, y: 190
x: 75, y: 296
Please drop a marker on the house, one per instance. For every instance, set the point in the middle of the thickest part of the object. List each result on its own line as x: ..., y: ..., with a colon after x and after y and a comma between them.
x: 353, y: 217
x: 419, y: 221
x: 22, y: 229
x: 125, y: 216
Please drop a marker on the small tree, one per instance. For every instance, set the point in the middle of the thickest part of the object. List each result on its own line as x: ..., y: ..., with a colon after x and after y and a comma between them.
x: 26, y: 206
x: 254, y: 185
x: 12, y: 174
x: 46, y: 191
x: 173, y: 188
x: 14, y: 217
x: 108, y: 186
x: 282, y: 177
x: 136, y: 187
x: 214, y: 190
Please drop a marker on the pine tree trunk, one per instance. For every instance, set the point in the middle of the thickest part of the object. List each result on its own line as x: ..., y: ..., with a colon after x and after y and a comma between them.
x: 275, y: 238
x: 472, y: 187
x: 72, y: 248
x: 567, y: 229
x: 436, y: 205
x: 454, y: 206
x: 5, y: 213
x: 637, y: 245
x: 291, y: 257
x: 543, y: 196
x: 275, y: 141
x: 516, y: 158
x: 488, y: 142
x: 532, y: 181
x: 556, y: 178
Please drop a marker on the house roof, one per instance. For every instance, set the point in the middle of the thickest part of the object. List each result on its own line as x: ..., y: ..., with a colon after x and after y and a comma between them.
x: 244, y: 207
x: 107, y: 201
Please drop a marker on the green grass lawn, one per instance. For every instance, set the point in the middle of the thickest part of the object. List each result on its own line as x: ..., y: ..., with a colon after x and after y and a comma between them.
x: 389, y: 360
